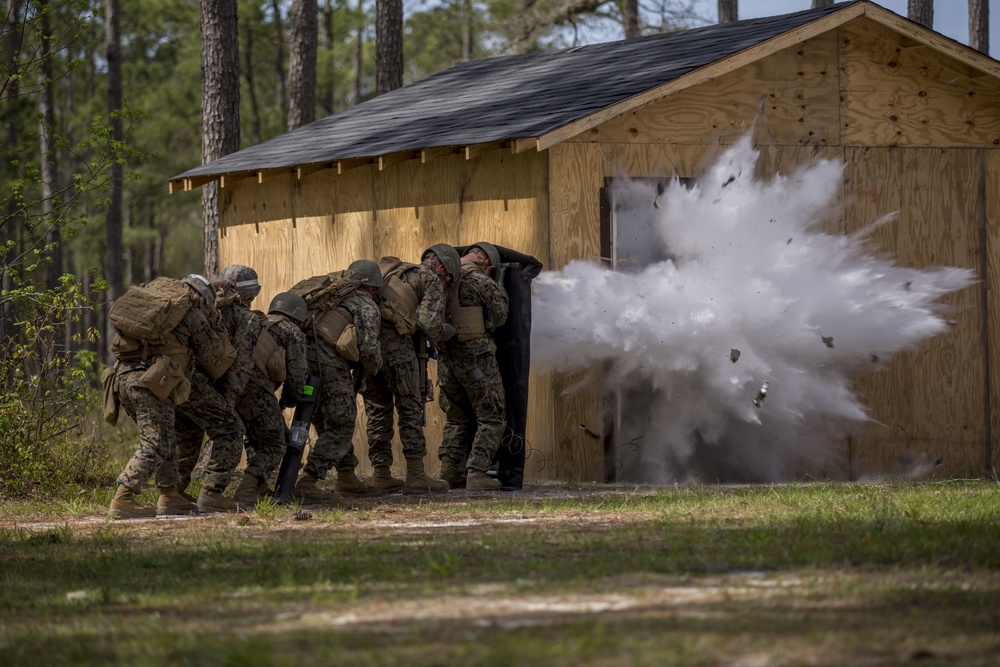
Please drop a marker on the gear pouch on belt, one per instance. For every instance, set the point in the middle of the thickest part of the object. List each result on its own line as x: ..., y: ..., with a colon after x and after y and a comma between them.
x: 111, y: 403
x: 347, y: 344
x: 163, y: 376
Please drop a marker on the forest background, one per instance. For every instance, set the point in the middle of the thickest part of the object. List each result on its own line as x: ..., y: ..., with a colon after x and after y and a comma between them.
x: 102, y: 101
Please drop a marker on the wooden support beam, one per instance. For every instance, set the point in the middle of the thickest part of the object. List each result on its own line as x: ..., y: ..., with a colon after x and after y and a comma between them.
x: 521, y: 145
x: 475, y: 149
x: 428, y: 154
x: 306, y: 169
x: 386, y: 161
x: 228, y: 179
x: 346, y: 165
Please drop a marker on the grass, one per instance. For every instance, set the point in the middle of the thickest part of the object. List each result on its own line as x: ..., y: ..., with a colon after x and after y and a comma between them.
x: 829, y: 574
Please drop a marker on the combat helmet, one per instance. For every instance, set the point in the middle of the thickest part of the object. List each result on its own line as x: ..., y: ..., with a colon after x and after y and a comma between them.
x: 201, y: 286
x: 491, y: 252
x: 292, y: 305
x: 244, y: 279
x: 449, y: 259
x: 370, y: 270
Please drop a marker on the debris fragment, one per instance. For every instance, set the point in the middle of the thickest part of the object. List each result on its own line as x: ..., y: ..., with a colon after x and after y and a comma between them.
x: 734, y: 355
x: 595, y: 436
x: 761, y: 395
x: 827, y: 340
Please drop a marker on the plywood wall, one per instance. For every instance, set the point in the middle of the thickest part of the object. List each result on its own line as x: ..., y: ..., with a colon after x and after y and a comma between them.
x: 291, y: 228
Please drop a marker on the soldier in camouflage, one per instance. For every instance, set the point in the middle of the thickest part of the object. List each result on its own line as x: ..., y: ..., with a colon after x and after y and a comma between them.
x: 211, y: 408
x: 336, y: 409
x: 472, y: 393
x: 259, y: 408
x: 412, y: 307
x: 155, y: 417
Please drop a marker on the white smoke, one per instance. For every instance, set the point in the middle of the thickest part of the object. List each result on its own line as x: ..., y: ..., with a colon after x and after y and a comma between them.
x: 752, y: 277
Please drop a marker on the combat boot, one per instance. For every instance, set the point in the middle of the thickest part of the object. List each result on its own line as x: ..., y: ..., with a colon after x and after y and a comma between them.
x: 451, y: 474
x: 478, y: 480
x: 216, y: 501
x: 350, y: 486
x: 172, y: 503
x: 249, y: 491
x: 417, y: 481
x: 308, y: 493
x: 384, y: 482
x: 187, y: 496
x: 125, y: 505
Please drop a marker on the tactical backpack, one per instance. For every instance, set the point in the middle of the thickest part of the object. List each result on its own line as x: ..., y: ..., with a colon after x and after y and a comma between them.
x: 148, y: 313
x: 327, y: 319
x: 269, y: 356
x: 399, y: 300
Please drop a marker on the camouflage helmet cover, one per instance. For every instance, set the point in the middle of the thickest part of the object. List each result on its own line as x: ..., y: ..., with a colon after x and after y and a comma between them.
x: 292, y: 305
x: 243, y: 278
x: 370, y: 270
x: 448, y: 256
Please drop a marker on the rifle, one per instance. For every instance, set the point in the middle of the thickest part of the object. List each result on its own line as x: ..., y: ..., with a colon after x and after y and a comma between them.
x: 295, y: 441
x: 423, y: 348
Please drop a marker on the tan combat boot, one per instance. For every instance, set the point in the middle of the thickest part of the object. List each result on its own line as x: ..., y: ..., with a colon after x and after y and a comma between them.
x: 349, y: 485
x: 216, y: 501
x: 172, y: 503
x: 308, y: 493
x: 478, y: 480
x: 451, y: 474
x: 384, y: 482
x: 417, y: 481
x: 125, y: 505
x: 250, y: 490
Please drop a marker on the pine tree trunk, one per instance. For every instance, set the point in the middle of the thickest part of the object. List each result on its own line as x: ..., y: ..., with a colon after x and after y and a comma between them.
x: 46, y: 139
x: 359, y: 52
x: 630, y: 18
x: 388, y: 45
x: 728, y: 11
x: 328, y: 79
x: 921, y: 11
x: 9, y: 228
x: 279, y: 59
x: 304, y: 23
x: 817, y: 4
x: 258, y: 135
x: 979, y: 25
x: 220, y: 107
x: 113, y: 228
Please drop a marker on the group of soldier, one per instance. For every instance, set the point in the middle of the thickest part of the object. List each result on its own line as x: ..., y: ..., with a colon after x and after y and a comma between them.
x: 211, y: 369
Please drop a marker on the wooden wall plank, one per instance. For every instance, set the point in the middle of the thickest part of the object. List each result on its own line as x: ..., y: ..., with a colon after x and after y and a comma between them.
x: 790, y: 97
x: 991, y: 258
x: 899, y: 96
x: 928, y: 404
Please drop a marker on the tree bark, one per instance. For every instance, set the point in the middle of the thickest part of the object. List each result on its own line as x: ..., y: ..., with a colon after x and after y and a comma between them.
x: 921, y: 11
x: 47, y: 148
x: 359, y: 51
x: 220, y: 107
x: 304, y: 23
x: 255, y: 126
x: 279, y: 59
x: 979, y: 25
x: 467, y: 15
x: 388, y: 45
x: 630, y: 18
x: 113, y: 228
x: 328, y: 79
x: 728, y: 11
x: 9, y: 225
x: 817, y: 4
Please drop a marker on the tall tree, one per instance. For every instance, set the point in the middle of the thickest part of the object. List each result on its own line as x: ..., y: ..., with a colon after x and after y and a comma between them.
x: 979, y: 25
x: 630, y: 18
x: 821, y: 3
x: 921, y: 11
x: 728, y: 11
x: 113, y: 228
x: 388, y: 45
x: 220, y: 107
x: 304, y: 24
x: 359, y: 42
x: 46, y: 133
x: 279, y: 57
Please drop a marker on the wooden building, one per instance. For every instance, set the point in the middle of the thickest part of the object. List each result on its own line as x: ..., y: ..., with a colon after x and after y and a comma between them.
x: 518, y: 149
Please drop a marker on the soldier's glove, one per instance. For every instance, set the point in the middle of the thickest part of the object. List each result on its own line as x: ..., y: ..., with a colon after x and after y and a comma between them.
x: 287, y: 400
x: 447, y: 332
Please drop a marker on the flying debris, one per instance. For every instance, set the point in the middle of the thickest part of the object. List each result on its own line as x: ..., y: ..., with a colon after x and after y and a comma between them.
x: 761, y: 395
x: 827, y: 340
x: 734, y: 355
x: 907, y: 285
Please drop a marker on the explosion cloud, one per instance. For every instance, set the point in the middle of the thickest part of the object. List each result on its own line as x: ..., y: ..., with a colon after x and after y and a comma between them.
x: 735, y: 355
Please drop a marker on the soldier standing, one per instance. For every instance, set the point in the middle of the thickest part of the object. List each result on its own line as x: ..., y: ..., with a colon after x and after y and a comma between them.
x: 136, y: 370
x: 279, y: 361
x: 211, y: 408
x: 412, y: 307
x: 472, y: 393
x: 341, y: 337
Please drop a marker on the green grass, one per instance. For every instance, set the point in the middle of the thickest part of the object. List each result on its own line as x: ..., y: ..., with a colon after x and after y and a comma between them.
x: 815, y: 573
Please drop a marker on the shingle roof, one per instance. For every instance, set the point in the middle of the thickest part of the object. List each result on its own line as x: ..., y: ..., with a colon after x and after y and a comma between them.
x: 507, y: 97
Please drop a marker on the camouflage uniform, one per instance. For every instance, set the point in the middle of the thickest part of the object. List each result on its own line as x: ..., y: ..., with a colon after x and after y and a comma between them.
x: 211, y: 408
x: 260, y: 409
x: 155, y: 418
x: 337, y: 408
x: 399, y: 384
x: 474, y: 408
